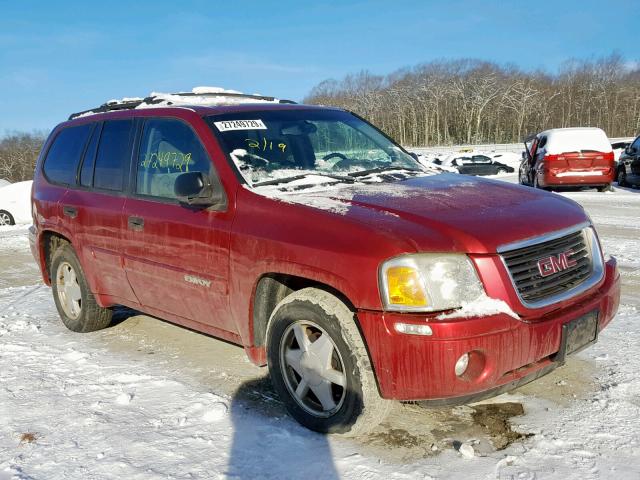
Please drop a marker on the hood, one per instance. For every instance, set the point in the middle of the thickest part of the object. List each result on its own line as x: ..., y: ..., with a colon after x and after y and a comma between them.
x: 449, y: 212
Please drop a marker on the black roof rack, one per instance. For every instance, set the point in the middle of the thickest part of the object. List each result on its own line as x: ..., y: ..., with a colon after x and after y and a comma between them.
x: 156, y: 99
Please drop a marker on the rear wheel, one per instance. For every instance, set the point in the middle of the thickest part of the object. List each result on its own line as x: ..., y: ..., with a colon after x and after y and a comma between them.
x: 319, y: 365
x: 6, y: 218
x: 605, y: 188
x: 76, y: 304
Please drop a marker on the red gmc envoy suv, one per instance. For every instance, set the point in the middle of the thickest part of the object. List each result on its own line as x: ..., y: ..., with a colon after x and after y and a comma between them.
x: 311, y: 239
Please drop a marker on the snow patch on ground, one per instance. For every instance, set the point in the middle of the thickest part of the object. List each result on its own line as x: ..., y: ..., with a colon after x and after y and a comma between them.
x: 97, y: 409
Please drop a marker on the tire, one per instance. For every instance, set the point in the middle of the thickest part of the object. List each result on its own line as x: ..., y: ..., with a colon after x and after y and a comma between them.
x: 338, y: 368
x: 535, y: 183
x: 605, y: 188
x: 6, y: 218
x: 622, y: 178
x: 76, y: 304
x: 501, y: 171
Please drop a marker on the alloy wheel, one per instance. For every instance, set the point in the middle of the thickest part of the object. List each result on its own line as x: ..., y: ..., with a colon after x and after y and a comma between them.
x: 312, y: 368
x: 69, y: 292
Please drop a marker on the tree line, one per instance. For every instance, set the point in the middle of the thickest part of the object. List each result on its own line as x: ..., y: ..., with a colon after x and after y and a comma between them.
x: 473, y: 101
x: 18, y: 154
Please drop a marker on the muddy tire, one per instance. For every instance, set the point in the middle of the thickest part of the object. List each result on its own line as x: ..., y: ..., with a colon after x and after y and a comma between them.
x: 76, y: 304
x: 6, y: 218
x: 320, y: 367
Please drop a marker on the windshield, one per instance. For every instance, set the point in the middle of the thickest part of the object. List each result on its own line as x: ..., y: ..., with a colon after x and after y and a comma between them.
x: 272, y: 146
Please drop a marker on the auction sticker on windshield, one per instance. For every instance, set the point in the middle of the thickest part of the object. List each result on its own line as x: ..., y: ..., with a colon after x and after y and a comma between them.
x: 240, y: 125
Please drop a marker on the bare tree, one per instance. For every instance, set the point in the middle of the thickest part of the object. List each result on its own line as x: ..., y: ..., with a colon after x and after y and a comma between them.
x: 18, y: 155
x: 464, y: 101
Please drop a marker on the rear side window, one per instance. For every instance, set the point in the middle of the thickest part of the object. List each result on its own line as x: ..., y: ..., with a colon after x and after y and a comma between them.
x: 61, y: 163
x: 113, y: 154
x: 168, y: 148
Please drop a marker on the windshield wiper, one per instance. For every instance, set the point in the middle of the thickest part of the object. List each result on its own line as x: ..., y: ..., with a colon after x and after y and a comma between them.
x: 277, y: 181
x: 363, y: 173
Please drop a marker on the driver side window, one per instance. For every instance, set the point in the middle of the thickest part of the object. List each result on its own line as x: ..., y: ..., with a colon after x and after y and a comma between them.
x: 168, y: 148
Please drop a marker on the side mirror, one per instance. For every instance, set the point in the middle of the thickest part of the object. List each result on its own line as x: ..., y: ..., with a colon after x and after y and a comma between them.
x: 195, y: 188
x: 414, y: 155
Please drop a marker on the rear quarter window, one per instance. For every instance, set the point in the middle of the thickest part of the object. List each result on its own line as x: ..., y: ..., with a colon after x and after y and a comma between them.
x: 61, y: 163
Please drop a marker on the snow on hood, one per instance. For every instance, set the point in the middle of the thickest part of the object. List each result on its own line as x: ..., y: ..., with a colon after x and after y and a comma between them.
x: 449, y: 212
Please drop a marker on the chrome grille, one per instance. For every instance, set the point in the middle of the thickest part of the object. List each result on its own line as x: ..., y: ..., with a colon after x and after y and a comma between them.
x: 522, y: 264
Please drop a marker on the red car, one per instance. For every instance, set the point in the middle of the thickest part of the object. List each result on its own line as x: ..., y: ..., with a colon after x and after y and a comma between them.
x: 308, y: 237
x: 568, y: 157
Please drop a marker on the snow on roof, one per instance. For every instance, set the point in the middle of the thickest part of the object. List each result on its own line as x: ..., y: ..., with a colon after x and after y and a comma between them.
x: 562, y: 140
x: 201, y: 90
x: 204, y: 96
x: 199, y: 96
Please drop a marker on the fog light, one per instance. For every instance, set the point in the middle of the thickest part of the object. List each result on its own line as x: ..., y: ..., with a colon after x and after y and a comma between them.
x: 462, y: 364
x: 411, y: 329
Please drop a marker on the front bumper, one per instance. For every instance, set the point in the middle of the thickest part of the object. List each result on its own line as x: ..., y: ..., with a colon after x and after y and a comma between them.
x: 509, y: 352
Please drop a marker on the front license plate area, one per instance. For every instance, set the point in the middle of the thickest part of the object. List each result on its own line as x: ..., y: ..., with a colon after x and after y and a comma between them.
x: 578, y: 334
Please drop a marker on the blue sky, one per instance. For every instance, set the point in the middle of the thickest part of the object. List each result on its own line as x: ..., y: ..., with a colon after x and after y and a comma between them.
x: 61, y: 57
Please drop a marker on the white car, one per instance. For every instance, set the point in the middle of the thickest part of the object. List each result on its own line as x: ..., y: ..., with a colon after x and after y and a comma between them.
x: 15, y: 203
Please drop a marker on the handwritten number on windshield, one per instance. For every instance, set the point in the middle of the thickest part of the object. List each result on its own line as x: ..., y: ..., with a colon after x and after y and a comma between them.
x: 265, y: 145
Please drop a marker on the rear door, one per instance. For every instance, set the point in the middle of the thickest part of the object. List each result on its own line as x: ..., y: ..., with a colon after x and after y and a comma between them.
x: 483, y: 165
x: 95, y: 208
x: 59, y: 169
x: 176, y: 257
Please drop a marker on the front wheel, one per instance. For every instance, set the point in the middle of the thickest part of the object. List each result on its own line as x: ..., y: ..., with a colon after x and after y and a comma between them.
x: 536, y: 184
x: 605, y: 188
x: 622, y: 178
x: 6, y: 218
x: 319, y: 365
x: 76, y: 304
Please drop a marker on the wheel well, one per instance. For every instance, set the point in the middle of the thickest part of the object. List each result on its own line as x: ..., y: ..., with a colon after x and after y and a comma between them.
x: 272, y: 288
x: 51, y: 241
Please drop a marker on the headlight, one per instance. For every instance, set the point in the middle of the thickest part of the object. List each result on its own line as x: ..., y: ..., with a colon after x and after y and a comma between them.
x: 428, y: 282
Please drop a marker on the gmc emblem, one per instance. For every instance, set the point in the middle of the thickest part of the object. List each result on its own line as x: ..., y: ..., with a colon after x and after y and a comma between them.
x: 556, y: 263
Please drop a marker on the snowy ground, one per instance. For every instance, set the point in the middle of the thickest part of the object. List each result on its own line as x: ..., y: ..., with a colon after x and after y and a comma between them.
x: 145, y: 399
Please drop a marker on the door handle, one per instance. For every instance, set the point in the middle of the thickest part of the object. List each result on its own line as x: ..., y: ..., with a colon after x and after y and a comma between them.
x: 70, y: 212
x: 136, y: 223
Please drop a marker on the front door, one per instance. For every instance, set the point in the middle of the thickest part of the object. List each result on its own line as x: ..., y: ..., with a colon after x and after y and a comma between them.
x: 176, y: 257
x: 633, y: 167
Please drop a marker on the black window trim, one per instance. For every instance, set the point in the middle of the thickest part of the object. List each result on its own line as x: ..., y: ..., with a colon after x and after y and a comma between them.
x: 97, y: 129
